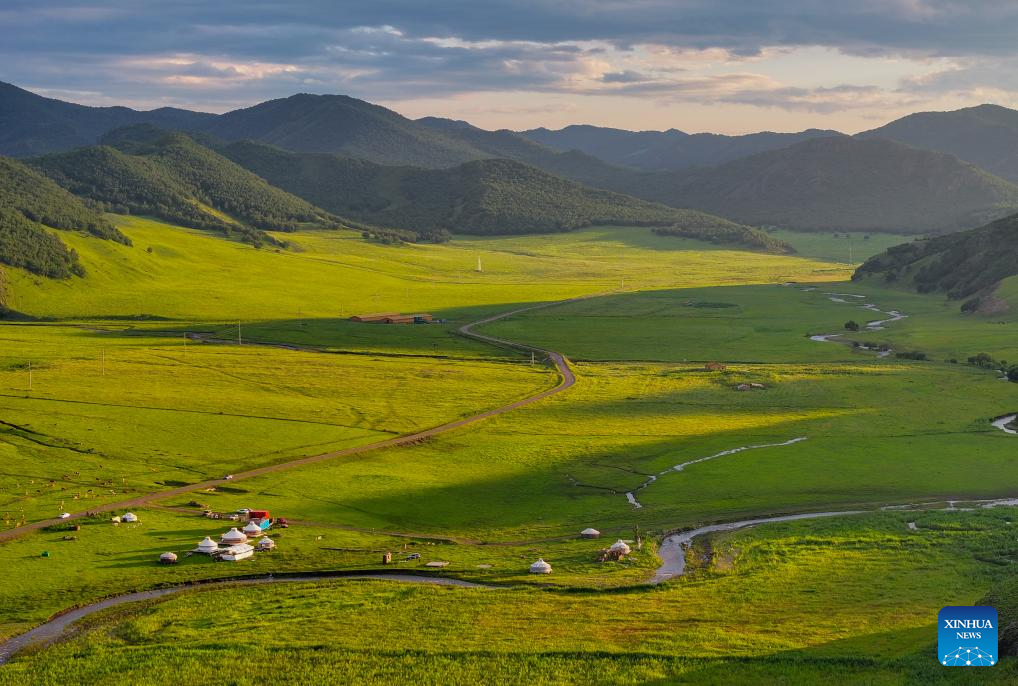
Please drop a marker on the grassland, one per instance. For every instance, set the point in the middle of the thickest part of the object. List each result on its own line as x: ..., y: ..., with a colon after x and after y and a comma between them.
x: 800, y: 603
x: 109, y: 415
x: 849, y: 600
x: 874, y: 438
x: 188, y: 276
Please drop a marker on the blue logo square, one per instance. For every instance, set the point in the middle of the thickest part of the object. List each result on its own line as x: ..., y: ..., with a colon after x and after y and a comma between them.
x: 967, y: 636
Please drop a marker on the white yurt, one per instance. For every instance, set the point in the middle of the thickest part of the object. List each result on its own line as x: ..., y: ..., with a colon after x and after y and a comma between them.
x: 540, y: 567
x: 233, y: 537
x: 207, y: 546
x: 266, y: 544
x: 168, y: 558
x: 620, y: 547
x: 590, y: 533
x: 129, y: 517
x: 252, y: 529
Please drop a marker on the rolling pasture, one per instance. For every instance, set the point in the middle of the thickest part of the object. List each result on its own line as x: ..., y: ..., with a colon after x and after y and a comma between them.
x: 849, y: 599
x: 118, y: 403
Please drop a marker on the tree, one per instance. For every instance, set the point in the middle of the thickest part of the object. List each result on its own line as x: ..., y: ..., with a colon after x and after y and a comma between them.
x: 1012, y: 373
x: 852, y: 325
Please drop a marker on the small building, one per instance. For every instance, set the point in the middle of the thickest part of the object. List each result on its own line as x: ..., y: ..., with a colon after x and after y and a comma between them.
x: 376, y: 317
x: 620, y: 547
x: 386, y: 558
x: 540, y: 567
x: 258, y: 514
x: 265, y: 543
x: 129, y: 517
x: 168, y: 558
x: 252, y: 530
x: 233, y: 537
x: 590, y: 533
x: 238, y: 552
x: 207, y: 546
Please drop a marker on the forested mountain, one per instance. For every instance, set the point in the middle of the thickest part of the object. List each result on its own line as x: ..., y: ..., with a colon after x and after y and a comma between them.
x: 572, y: 164
x: 339, y: 124
x: 29, y: 202
x: 493, y: 196
x: 33, y: 125
x: 842, y: 184
x: 986, y: 136
x: 170, y: 176
x: 960, y: 264
x: 666, y: 150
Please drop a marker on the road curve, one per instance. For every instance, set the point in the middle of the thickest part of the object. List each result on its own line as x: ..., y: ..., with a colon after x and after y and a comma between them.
x: 566, y: 380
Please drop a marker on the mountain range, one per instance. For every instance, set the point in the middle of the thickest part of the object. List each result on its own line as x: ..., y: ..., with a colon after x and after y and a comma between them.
x: 926, y: 173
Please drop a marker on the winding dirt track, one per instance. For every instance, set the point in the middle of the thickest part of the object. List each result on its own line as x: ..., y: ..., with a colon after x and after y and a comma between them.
x: 566, y: 380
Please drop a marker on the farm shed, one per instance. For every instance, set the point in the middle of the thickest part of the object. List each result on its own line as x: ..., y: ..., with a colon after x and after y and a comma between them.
x: 377, y: 317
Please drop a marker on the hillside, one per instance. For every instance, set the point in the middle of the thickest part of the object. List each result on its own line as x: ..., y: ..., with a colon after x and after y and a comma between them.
x: 960, y: 264
x: 842, y: 184
x: 170, y: 176
x: 29, y: 203
x: 492, y: 196
x: 340, y: 124
x: 666, y: 150
x: 33, y: 125
x: 986, y: 136
x: 572, y: 164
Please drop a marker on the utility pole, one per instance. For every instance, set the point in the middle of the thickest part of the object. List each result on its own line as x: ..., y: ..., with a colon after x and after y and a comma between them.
x: 531, y: 358
x: 29, y: 375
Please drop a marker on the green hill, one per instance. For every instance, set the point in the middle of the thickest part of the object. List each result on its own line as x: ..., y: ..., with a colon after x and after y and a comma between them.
x: 665, y: 150
x: 29, y: 203
x: 493, y: 196
x: 964, y: 264
x: 843, y: 184
x: 170, y: 176
x: 340, y: 124
x: 986, y: 136
x: 33, y: 125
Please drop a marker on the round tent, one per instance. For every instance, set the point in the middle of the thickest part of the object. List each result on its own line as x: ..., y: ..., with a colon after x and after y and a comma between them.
x: 207, y: 545
x: 168, y: 558
x: 590, y: 533
x: 266, y: 544
x: 540, y: 567
x: 129, y: 517
x: 233, y: 537
x: 252, y: 529
x: 620, y: 547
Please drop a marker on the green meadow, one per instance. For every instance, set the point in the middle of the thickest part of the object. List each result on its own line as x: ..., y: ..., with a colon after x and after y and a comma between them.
x: 846, y: 600
x: 119, y: 402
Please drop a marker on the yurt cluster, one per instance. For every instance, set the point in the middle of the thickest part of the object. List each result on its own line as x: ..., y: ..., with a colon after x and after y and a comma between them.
x: 236, y: 544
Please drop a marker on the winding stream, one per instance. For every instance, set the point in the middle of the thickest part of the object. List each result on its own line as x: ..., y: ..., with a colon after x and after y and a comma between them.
x: 55, y: 627
x: 1003, y: 423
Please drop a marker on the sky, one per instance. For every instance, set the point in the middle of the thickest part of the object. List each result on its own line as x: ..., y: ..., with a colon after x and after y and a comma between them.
x: 731, y: 67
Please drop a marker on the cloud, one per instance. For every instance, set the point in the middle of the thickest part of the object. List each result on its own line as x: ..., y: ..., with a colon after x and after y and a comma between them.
x: 230, y: 53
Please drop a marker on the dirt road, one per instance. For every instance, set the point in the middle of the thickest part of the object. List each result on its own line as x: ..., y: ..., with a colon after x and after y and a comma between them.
x: 566, y: 380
